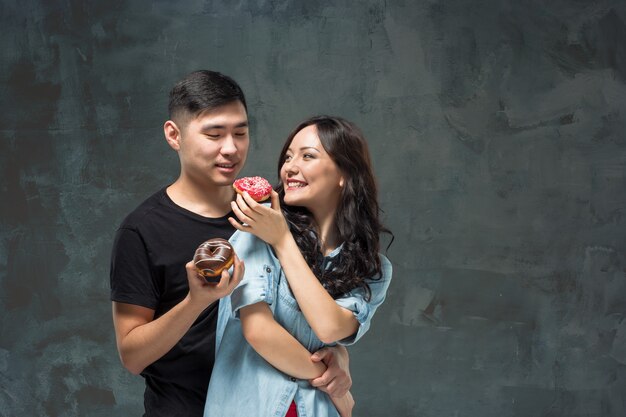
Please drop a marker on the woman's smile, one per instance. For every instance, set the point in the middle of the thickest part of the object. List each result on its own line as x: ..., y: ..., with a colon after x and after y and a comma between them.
x: 310, y: 176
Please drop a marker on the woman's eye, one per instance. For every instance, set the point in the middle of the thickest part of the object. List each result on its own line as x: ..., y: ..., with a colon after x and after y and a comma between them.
x: 241, y: 134
x: 308, y: 156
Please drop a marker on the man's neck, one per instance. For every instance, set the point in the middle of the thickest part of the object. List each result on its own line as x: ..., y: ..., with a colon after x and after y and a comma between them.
x: 207, y: 201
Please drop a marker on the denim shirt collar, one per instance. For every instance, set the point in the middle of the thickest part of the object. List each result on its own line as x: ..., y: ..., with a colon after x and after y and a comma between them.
x: 335, y: 251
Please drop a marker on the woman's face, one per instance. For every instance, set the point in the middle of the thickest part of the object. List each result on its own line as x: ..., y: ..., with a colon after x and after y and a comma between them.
x: 310, y: 177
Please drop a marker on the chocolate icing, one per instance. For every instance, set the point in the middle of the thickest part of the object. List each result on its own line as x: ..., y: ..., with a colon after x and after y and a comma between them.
x: 212, y: 257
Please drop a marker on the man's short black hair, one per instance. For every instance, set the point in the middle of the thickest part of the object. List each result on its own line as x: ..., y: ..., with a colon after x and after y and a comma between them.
x: 200, y: 91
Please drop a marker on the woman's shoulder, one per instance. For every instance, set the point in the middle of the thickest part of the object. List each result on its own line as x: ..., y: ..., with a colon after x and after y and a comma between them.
x: 246, y: 244
x: 384, y: 262
x: 386, y: 269
x: 245, y: 238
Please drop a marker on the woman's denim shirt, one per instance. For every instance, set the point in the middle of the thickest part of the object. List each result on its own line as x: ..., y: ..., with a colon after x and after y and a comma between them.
x: 243, y: 383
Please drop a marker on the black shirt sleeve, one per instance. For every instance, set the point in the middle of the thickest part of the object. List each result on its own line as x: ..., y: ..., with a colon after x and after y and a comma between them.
x: 132, y: 279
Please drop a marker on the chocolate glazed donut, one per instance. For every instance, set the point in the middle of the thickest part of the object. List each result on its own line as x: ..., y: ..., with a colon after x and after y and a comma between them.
x: 212, y: 257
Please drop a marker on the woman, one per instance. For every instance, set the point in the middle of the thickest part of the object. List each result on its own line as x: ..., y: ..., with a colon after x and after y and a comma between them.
x: 313, y: 276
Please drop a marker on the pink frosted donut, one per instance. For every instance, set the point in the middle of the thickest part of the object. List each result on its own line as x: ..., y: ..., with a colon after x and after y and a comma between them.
x: 257, y: 187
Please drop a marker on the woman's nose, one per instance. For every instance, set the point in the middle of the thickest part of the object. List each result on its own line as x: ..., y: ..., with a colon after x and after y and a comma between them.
x: 291, y: 167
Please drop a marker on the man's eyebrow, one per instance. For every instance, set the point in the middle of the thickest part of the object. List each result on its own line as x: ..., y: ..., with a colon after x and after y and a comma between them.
x: 216, y: 126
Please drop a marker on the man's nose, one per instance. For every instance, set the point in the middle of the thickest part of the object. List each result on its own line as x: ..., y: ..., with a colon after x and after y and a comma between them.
x: 228, y: 145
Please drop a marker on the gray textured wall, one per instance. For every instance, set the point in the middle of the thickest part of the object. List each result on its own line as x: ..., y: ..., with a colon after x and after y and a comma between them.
x: 497, y: 129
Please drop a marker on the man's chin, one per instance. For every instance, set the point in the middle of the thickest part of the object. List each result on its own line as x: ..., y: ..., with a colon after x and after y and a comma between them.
x: 226, y: 179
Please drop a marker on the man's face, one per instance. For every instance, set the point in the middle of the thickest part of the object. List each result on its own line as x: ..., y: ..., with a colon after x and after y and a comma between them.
x: 214, y: 145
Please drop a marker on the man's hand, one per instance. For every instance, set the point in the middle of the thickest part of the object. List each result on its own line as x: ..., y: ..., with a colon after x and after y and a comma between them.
x: 336, y: 381
x: 202, y: 293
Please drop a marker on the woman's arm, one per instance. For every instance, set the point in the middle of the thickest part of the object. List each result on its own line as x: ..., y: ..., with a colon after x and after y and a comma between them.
x: 329, y: 321
x: 270, y: 340
x: 277, y: 346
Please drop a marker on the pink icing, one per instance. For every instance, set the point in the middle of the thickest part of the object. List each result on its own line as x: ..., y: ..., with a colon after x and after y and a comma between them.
x: 258, y: 187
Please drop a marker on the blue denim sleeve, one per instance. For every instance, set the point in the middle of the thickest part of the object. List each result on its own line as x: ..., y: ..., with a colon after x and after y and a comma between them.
x: 259, y: 262
x: 362, y: 308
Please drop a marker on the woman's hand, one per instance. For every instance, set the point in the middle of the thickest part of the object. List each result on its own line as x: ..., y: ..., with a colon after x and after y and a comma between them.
x: 266, y: 223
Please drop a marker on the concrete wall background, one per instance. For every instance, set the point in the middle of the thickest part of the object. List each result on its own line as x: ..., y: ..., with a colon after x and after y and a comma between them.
x: 497, y: 129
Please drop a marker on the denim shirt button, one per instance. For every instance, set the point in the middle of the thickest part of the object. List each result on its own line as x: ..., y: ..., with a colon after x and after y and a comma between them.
x: 293, y: 379
x: 268, y: 269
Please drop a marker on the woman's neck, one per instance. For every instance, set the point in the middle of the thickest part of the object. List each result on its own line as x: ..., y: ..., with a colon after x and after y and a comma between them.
x: 327, y: 231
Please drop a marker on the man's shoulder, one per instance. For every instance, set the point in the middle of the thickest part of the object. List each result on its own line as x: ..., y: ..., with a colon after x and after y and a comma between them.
x: 140, y: 214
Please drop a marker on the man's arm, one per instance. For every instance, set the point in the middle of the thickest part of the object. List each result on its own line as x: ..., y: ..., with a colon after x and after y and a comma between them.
x: 142, y: 340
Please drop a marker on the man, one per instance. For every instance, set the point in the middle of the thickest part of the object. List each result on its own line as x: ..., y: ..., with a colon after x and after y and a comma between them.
x: 164, y: 314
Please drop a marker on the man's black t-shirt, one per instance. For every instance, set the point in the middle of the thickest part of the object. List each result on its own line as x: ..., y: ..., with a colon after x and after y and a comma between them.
x: 151, y: 248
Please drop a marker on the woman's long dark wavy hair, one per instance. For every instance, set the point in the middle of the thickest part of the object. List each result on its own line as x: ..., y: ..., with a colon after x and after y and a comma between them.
x: 357, y: 218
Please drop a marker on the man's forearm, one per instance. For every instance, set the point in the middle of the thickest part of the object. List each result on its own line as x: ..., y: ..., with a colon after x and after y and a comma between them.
x: 344, y: 404
x: 142, y: 340
x: 141, y: 343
